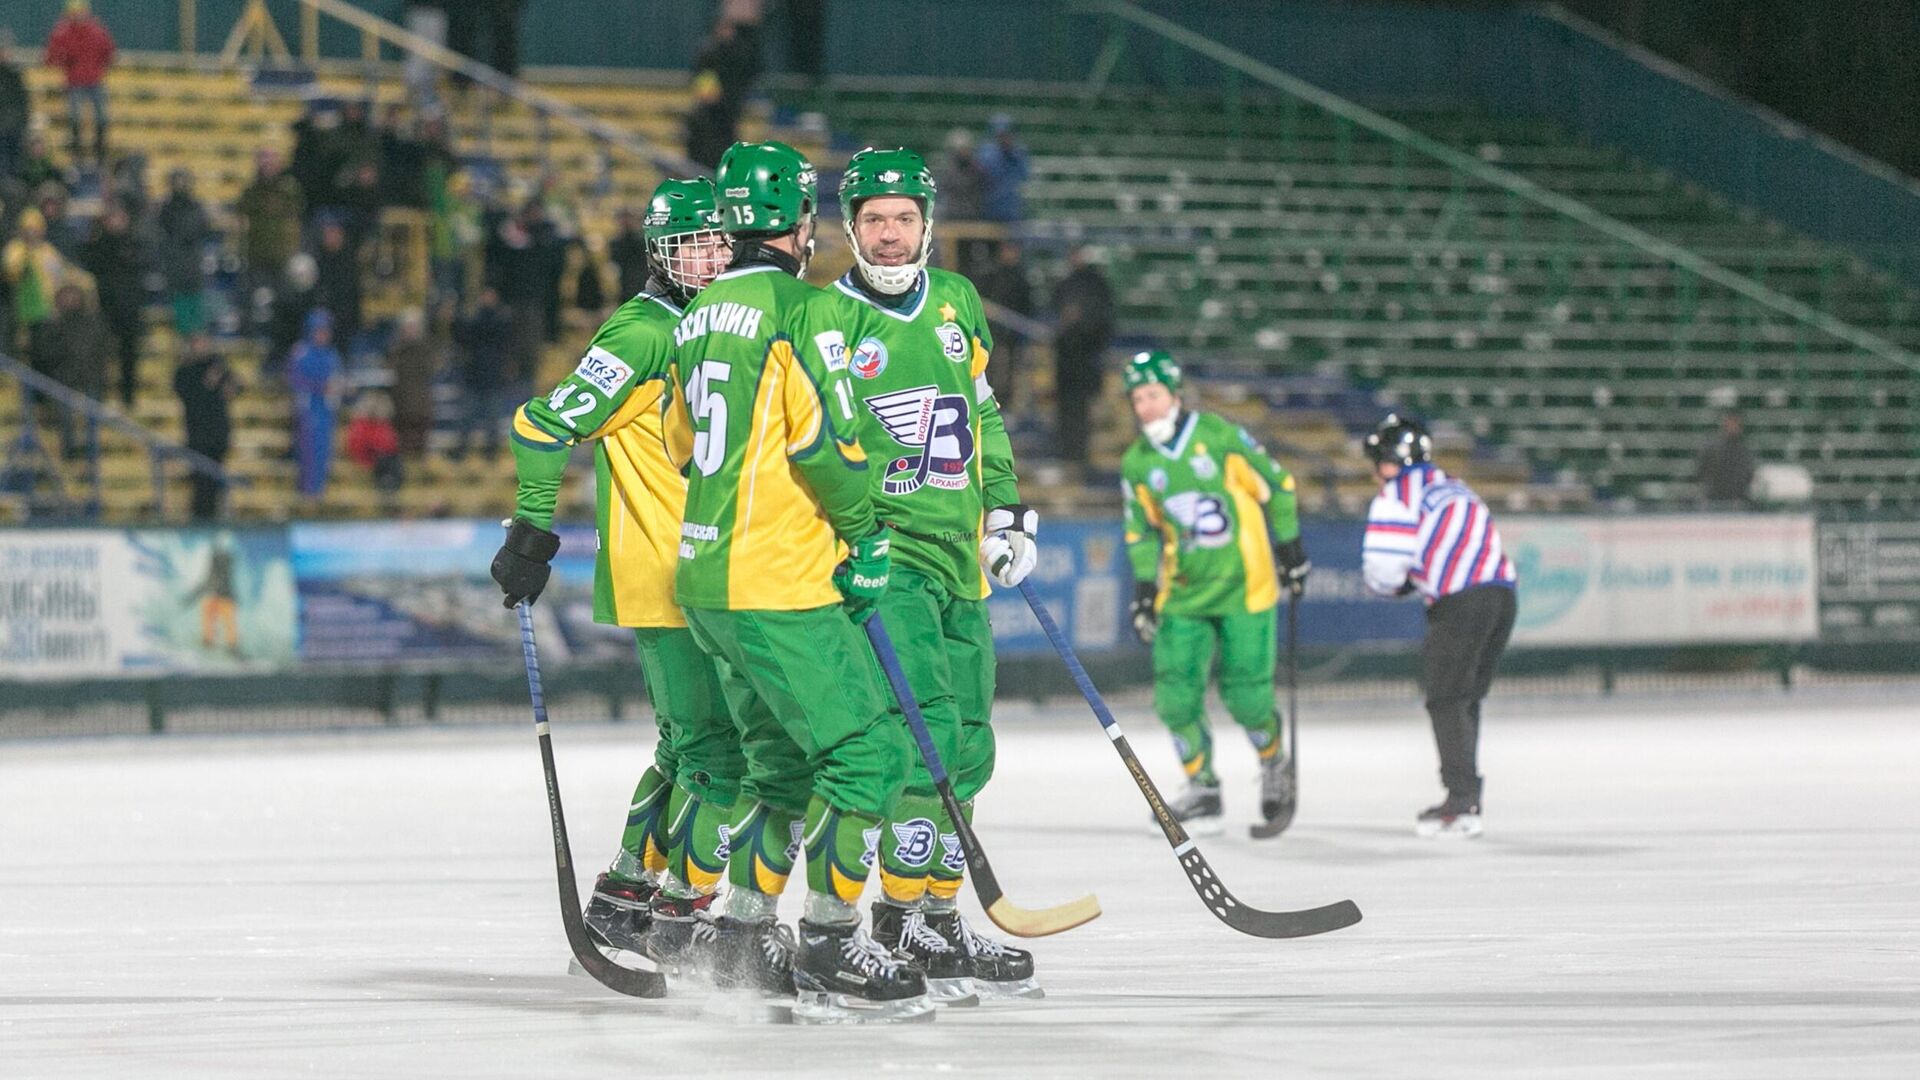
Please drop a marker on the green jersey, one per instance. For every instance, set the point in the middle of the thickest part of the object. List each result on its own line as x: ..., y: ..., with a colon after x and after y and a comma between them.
x: 776, y: 472
x: 928, y: 422
x: 1203, y: 514
x: 616, y: 397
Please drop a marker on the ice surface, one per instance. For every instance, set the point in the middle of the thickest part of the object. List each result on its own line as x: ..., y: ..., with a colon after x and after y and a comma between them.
x: 1722, y: 886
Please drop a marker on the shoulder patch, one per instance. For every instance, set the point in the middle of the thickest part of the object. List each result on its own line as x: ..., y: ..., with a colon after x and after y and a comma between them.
x: 833, y: 349
x: 603, y: 370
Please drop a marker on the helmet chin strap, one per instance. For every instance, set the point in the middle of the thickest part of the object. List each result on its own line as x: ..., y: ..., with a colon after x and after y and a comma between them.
x: 1161, y: 430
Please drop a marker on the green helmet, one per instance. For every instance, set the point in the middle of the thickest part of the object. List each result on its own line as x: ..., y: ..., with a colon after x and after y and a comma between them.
x: 1157, y: 366
x: 678, y: 207
x: 679, y: 212
x: 887, y: 172
x: 766, y: 189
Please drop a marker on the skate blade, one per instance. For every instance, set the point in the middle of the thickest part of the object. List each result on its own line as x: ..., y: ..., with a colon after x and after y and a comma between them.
x: 822, y: 1007
x: 1464, y: 827
x: 953, y: 993
x: 1028, y: 989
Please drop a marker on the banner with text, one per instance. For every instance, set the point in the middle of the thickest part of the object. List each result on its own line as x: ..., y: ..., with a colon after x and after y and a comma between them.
x: 1870, y: 581
x: 1651, y: 580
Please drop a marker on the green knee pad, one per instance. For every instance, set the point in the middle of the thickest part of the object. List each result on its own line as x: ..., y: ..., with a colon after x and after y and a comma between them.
x: 763, y: 843
x: 643, y: 844
x: 840, y: 847
x: 698, y: 832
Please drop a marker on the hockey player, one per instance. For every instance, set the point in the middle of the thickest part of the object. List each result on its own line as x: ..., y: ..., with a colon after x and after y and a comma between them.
x: 1428, y: 533
x: 775, y: 477
x: 1213, y: 531
x: 944, y: 483
x: 675, y: 841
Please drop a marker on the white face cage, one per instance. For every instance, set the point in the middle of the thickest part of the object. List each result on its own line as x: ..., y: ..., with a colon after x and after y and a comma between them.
x: 690, y: 260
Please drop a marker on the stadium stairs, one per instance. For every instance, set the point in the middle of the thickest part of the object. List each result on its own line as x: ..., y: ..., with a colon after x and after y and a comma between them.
x: 1313, y: 276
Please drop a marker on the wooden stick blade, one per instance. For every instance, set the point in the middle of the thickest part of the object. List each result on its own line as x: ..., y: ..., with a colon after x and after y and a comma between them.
x: 1021, y: 922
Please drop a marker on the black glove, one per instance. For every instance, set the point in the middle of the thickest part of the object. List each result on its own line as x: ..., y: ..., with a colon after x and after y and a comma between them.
x: 1407, y: 588
x: 1294, y: 564
x: 520, y: 566
x: 1146, y: 621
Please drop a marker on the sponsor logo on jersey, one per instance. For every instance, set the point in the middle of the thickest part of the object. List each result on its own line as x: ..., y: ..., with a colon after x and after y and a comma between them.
x: 1157, y: 479
x: 602, y: 369
x: 833, y: 349
x: 913, y: 841
x: 953, y: 341
x: 737, y: 192
x: 935, y: 425
x: 1203, y: 467
x: 870, y: 358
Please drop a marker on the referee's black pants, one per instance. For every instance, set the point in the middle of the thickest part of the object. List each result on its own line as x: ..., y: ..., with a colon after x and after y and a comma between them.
x: 1466, y: 633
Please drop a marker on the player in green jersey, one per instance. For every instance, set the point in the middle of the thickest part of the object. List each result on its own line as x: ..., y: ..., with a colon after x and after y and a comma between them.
x: 777, y: 484
x: 1213, y: 531
x: 943, y: 481
x: 675, y: 839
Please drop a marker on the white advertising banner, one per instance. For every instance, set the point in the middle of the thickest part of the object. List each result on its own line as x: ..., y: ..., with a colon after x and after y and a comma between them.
x: 1663, y: 580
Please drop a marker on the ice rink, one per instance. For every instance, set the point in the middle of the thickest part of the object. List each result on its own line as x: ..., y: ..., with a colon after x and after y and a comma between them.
x: 1691, y: 887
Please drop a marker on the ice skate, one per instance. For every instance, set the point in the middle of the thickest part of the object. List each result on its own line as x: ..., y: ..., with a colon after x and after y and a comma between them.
x: 843, y: 976
x: 753, y: 956
x: 681, y: 934
x: 617, y: 914
x: 1277, y: 798
x: 998, y: 970
x: 1458, y: 816
x: 1197, y: 808
x: 906, y: 931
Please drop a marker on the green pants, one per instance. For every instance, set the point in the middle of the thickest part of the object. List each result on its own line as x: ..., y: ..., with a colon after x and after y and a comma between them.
x: 698, y: 751
x: 945, y: 645
x: 809, y: 709
x: 1183, y: 659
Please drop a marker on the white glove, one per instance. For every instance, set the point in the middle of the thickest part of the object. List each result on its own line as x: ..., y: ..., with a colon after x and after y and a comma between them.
x: 1007, y: 551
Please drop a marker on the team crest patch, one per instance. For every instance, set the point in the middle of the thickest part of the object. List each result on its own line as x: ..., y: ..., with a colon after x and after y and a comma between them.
x: 871, y: 838
x: 936, y: 425
x: 913, y: 841
x: 953, y: 341
x: 954, y: 859
x: 1157, y: 479
x: 603, y: 370
x: 725, y: 847
x: 797, y: 835
x: 870, y: 358
x: 1204, y: 467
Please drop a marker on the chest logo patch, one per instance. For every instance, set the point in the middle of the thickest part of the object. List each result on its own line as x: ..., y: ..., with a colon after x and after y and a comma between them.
x: 870, y: 358
x: 1203, y: 467
x: 937, y: 427
x: 953, y: 341
x: 1157, y: 479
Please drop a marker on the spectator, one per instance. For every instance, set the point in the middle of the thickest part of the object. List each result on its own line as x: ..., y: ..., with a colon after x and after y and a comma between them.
x: 415, y: 358
x: 1005, y: 283
x: 206, y: 387
x: 525, y: 261
x: 63, y: 231
x: 118, y: 260
x: 454, y: 235
x: 1083, y: 302
x: 360, y: 199
x: 724, y: 72
x: 74, y: 348
x: 1003, y: 162
x: 185, y: 231
x: 372, y: 441
x: 963, y: 185
x: 487, y: 376
x: 1725, y: 466
x: 83, y: 49
x: 272, y: 208
x: 34, y: 271
x: 403, y: 160
x: 16, y: 107
x: 589, y: 287
x: 298, y: 297
x: 339, y: 280
x: 628, y: 251
x: 317, y: 155
x: 35, y: 169
x: 503, y: 18
x: 314, y: 373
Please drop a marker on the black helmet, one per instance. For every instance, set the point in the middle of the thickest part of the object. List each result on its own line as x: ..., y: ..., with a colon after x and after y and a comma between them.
x: 1401, y: 440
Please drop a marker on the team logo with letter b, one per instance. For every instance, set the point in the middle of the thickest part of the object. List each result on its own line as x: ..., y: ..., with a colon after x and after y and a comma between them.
x: 913, y: 841
x: 937, y: 427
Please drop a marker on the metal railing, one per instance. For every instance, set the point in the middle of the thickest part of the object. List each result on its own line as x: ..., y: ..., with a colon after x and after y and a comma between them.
x: 24, y: 458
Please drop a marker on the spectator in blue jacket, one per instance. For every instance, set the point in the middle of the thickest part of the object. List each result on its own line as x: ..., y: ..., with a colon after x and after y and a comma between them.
x: 1004, y: 161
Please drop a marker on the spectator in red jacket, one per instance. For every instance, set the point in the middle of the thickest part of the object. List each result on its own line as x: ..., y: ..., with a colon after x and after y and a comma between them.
x: 81, y: 47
